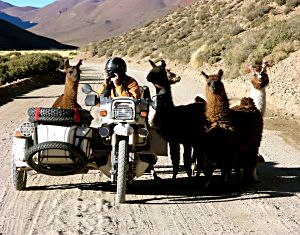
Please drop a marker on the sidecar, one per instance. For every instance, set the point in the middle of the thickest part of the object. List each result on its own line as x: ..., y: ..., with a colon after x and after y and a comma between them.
x: 53, y: 142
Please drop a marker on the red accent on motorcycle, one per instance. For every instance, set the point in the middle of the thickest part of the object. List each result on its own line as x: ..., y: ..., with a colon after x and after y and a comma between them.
x: 76, y: 115
x: 37, y: 114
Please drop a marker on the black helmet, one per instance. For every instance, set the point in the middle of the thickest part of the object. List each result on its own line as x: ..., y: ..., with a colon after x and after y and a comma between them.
x: 116, y: 65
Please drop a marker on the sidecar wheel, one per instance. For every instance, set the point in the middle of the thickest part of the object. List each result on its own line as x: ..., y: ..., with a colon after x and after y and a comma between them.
x: 78, y: 157
x: 19, y: 178
x: 121, y: 179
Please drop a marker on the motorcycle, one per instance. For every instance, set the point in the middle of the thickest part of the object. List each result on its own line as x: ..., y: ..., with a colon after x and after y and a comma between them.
x: 124, y: 130
x: 60, y: 142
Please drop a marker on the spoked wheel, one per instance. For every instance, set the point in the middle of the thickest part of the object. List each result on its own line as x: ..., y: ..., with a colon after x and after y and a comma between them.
x: 121, y: 178
x: 19, y: 178
x: 77, y: 157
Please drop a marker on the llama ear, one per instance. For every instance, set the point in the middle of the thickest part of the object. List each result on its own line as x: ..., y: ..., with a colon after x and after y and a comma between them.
x: 220, y: 73
x: 79, y: 63
x: 66, y: 64
x: 204, y: 74
x: 152, y: 63
x: 163, y: 64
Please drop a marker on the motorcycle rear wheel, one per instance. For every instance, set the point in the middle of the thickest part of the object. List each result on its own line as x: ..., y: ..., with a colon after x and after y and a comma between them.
x: 121, y: 178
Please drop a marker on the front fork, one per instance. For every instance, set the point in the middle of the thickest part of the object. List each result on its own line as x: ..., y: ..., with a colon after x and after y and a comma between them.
x: 114, y: 156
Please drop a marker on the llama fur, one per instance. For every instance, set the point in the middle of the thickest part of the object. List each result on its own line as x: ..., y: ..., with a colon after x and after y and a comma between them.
x: 233, y: 134
x: 258, y: 85
x: 182, y: 124
x: 69, y: 98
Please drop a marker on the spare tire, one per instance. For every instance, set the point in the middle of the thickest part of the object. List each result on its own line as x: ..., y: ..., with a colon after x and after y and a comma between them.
x: 57, y: 116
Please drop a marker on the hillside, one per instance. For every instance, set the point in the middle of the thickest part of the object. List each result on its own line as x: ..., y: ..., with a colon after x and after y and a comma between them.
x: 16, y: 21
x: 13, y: 37
x: 79, y: 22
x: 214, y: 33
x: 210, y: 34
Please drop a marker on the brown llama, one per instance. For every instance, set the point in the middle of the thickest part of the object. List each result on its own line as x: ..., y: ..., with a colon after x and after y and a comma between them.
x: 182, y: 124
x: 233, y: 135
x: 69, y: 98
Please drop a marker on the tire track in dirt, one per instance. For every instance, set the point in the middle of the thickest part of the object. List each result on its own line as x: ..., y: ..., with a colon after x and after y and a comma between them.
x: 83, y: 204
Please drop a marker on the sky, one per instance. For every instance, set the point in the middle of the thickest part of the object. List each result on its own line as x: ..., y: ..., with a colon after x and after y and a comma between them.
x: 32, y: 3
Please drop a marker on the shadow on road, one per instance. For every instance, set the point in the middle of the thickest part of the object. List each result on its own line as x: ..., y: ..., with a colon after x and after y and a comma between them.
x: 275, y: 182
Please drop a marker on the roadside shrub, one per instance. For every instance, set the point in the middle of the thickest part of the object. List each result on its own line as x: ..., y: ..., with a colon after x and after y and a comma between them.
x: 28, y: 65
x: 290, y: 5
x: 280, y: 2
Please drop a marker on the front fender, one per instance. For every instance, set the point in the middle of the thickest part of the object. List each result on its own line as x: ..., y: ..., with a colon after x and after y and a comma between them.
x: 123, y: 129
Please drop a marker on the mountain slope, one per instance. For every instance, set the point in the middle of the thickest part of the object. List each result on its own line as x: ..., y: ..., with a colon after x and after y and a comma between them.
x: 215, y: 33
x: 13, y: 37
x: 4, y: 5
x: 16, y: 21
x: 79, y: 22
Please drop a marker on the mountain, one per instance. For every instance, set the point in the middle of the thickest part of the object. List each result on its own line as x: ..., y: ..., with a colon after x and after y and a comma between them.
x: 4, y: 5
x: 16, y: 21
x: 13, y: 37
x: 79, y: 22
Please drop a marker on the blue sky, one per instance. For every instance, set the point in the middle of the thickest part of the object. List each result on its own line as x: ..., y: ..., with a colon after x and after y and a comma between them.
x: 33, y: 3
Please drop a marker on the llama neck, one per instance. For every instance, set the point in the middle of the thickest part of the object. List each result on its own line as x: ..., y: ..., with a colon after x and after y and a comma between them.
x: 70, y: 92
x: 165, y: 101
x: 164, y: 105
x: 217, y: 106
x: 259, y: 98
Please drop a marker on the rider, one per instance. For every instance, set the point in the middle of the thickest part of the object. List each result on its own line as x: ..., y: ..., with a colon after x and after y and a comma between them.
x: 116, y: 82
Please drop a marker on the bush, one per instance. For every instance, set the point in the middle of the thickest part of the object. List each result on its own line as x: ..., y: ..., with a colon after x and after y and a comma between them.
x: 28, y: 65
x: 280, y: 2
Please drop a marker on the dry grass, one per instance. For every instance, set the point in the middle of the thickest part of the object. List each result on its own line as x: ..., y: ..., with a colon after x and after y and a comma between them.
x: 64, y: 53
x: 214, y: 33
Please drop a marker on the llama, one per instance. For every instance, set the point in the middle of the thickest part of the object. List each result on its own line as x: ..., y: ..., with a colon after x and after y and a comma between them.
x: 259, y: 82
x: 182, y: 124
x: 234, y: 134
x: 69, y: 98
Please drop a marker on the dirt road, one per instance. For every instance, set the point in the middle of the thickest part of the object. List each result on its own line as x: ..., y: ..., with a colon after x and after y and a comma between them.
x: 83, y: 204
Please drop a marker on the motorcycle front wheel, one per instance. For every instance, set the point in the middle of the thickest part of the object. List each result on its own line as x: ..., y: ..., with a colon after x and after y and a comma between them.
x: 121, y: 178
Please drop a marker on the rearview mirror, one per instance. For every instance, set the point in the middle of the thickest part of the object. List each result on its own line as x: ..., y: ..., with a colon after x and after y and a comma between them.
x: 86, y: 88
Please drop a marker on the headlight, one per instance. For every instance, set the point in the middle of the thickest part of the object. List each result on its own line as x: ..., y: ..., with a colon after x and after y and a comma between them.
x: 27, y: 129
x: 123, y: 112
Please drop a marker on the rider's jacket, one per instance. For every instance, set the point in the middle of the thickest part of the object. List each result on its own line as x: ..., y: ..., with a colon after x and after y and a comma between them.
x: 128, y: 88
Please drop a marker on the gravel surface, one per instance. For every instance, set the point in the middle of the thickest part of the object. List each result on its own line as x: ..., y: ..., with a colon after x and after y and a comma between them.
x: 84, y: 203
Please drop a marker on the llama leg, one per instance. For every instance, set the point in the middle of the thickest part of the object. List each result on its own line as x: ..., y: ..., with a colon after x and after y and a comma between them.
x: 187, y: 159
x: 208, y: 173
x: 199, y: 155
x: 175, y: 157
x: 249, y: 168
x: 154, y: 174
x: 227, y: 166
x: 259, y: 160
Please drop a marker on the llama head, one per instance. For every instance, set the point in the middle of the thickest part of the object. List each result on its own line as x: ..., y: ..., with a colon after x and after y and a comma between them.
x: 72, y: 72
x: 160, y: 76
x: 214, y: 83
x: 260, y: 77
